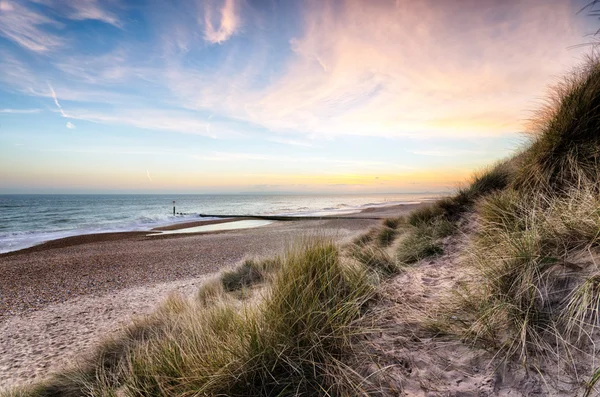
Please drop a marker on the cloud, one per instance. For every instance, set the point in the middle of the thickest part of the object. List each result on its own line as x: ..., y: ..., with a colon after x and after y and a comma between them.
x: 20, y: 111
x: 53, y: 94
x: 24, y: 26
x: 404, y: 69
x: 184, y: 122
x: 148, y: 175
x: 447, y: 152
x: 28, y: 27
x: 90, y: 9
x: 284, y: 159
x: 70, y: 125
x: 221, y: 24
x: 292, y: 142
x: 374, y: 69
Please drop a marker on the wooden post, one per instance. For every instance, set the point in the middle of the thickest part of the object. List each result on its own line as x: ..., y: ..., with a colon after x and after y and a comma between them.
x: 173, y: 207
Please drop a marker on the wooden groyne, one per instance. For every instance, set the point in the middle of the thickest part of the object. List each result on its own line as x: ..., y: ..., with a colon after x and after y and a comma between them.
x: 287, y: 217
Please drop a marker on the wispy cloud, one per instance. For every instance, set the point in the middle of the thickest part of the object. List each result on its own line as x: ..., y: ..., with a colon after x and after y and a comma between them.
x: 20, y: 111
x: 447, y: 152
x: 25, y: 26
x: 70, y: 125
x: 220, y: 24
x: 293, y: 142
x: 281, y: 159
x: 404, y: 71
x: 53, y: 94
x: 184, y: 122
x: 90, y: 9
x: 148, y: 175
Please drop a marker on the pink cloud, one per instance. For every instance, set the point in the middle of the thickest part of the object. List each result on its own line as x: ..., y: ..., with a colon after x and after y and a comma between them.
x: 221, y: 24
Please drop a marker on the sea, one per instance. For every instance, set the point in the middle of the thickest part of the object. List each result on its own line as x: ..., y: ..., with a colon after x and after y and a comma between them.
x: 28, y: 220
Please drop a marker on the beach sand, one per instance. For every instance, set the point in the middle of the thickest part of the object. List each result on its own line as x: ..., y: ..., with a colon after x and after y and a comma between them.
x: 58, y: 299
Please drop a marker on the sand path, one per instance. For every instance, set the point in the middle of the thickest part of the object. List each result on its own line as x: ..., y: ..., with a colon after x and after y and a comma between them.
x: 35, y: 343
x: 415, y: 361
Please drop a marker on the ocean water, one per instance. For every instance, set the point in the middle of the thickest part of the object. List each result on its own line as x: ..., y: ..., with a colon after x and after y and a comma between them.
x: 27, y: 220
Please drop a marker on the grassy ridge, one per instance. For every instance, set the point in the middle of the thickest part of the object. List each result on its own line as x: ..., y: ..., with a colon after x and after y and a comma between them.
x: 537, y: 247
x: 565, y: 152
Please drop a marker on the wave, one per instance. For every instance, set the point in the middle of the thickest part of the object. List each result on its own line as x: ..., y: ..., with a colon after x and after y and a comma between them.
x: 14, y: 241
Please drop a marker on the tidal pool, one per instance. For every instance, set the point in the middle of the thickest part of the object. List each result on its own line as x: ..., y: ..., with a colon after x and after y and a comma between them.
x: 245, y: 224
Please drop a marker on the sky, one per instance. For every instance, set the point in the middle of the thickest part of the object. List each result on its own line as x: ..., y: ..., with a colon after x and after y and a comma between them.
x: 229, y: 96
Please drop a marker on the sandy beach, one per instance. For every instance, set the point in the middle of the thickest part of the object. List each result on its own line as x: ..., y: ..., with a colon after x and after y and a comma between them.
x: 58, y: 299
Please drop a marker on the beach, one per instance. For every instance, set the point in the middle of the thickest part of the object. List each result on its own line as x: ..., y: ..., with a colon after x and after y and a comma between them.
x: 58, y: 299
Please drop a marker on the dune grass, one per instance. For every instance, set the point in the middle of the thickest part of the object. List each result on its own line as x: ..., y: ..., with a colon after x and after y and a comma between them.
x: 451, y: 208
x: 365, y: 238
x: 423, y: 241
x: 565, y: 152
x: 249, y: 273
x: 292, y: 341
x: 432, y: 223
x: 536, y: 251
x: 538, y: 290
x: 393, y: 223
x: 375, y: 259
x: 386, y: 236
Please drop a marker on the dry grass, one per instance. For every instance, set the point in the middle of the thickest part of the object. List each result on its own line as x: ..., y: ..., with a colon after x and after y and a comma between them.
x: 366, y: 238
x: 424, y: 241
x: 376, y: 259
x: 249, y: 273
x: 452, y: 208
x: 393, y: 223
x: 386, y: 236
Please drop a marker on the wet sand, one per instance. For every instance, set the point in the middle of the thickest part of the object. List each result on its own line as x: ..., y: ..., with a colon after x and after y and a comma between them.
x: 60, y: 298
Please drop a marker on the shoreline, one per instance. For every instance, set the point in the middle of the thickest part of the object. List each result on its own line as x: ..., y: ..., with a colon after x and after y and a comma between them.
x: 59, y: 299
x: 377, y: 210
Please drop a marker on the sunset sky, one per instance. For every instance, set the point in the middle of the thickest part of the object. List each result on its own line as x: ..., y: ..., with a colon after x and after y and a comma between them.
x: 281, y: 96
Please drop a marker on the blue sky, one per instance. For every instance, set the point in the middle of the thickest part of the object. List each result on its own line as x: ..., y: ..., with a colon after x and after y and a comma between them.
x: 308, y: 96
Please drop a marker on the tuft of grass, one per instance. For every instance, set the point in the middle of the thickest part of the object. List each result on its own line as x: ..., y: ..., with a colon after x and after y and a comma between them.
x: 425, y: 214
x: 424, y: 241
x: 210, y: 291
x: 292, y: 342
x: 453, y: 207
x: 376, y: 259
x: 386, y: 236
x: 582, y: 309
x: 249, y: 273
x: 393, y: 223
x: 493, y: 179
x: 366, y: 238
